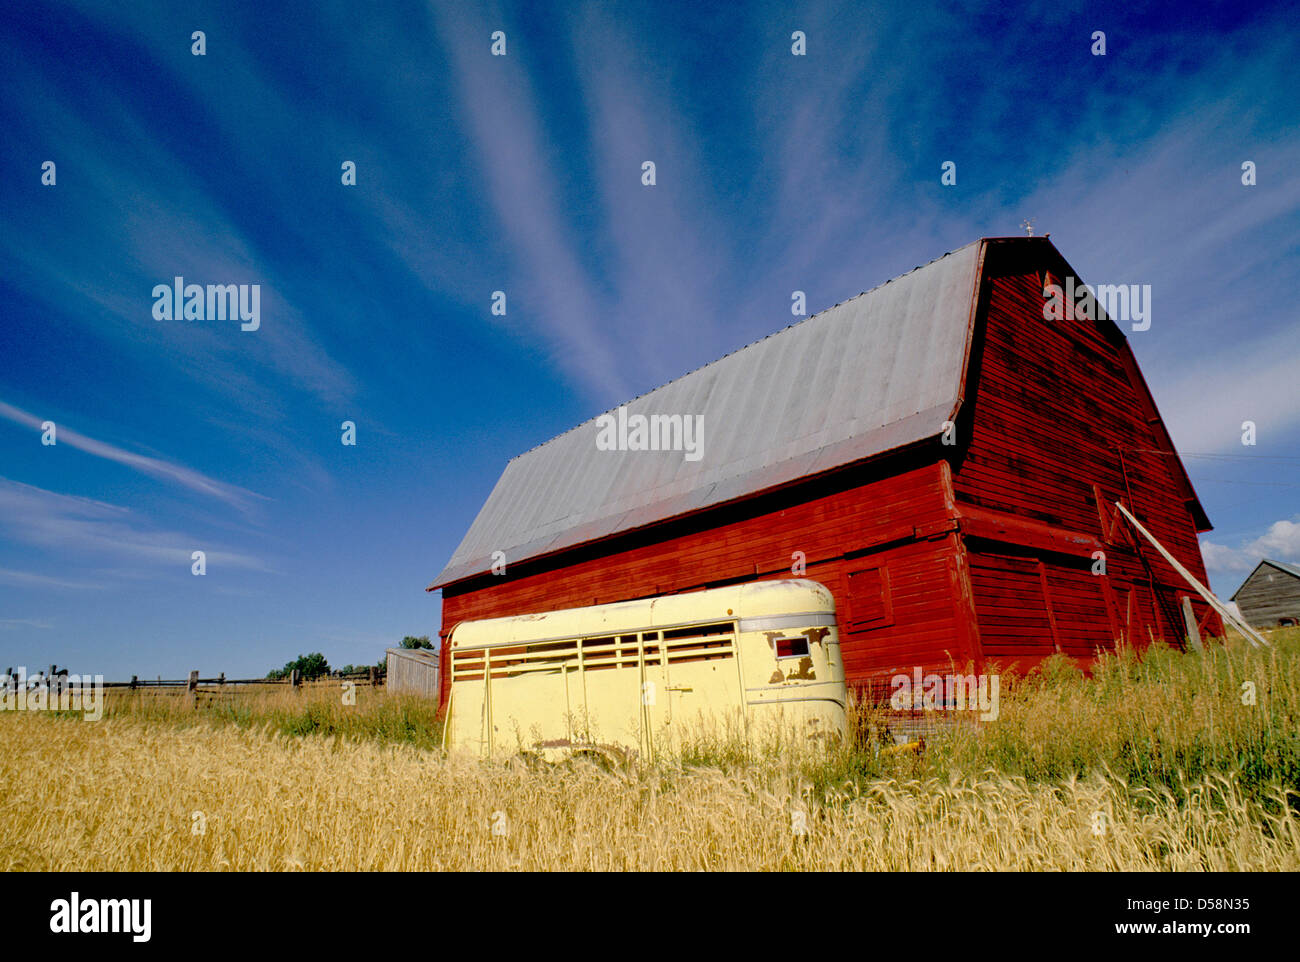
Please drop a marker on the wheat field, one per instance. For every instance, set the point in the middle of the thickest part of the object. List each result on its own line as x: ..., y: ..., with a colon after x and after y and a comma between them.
x: 1154, y: 763
x: 143, y: 798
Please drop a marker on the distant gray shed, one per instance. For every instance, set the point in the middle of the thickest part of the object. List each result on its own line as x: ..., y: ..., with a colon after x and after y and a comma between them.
x: 1270, y: 596
x: 413, y: 671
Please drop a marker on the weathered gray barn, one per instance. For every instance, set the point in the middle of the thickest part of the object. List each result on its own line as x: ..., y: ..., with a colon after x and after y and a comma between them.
x: 413, y: 671
x: 1270, y: 596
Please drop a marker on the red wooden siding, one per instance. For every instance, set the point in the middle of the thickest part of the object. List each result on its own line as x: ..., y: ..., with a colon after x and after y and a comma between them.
x: 868, y: 526
x: 1030, y: 608
x: 1078, y: 603
x: 1013, y: 617
x: 925, y: 624
x: 1058, y: 417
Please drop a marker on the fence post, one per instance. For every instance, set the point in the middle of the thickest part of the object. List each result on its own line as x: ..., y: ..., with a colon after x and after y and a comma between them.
x: 373, y: 672
x: 294, y: 678
x: 192, y: 688
x: 134, y: 681
x: 221, y: 679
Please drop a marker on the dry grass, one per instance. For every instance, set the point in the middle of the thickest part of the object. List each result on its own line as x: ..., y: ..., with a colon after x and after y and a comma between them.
x: 272, y: 802
x: 1154, y: 764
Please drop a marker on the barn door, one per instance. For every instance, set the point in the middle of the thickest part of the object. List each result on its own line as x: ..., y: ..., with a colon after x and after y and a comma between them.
x: 1014, y: 619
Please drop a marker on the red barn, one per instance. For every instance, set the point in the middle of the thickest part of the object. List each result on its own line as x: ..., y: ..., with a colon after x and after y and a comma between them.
x: 933, y: 451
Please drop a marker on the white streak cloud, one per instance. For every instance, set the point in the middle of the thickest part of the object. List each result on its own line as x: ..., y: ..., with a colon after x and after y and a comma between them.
x: 153, y: 467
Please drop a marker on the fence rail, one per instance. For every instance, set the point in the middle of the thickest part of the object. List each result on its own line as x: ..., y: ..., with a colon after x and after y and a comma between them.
x: 56, y: 676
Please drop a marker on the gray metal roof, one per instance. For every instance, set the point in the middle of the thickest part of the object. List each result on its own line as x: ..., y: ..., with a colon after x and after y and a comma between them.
x: 1290, y: 569
x: 874, y: 373
x: 427, y: 655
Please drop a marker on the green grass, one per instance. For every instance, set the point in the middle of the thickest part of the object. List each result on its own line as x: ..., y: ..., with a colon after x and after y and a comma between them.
x: 313, y: 709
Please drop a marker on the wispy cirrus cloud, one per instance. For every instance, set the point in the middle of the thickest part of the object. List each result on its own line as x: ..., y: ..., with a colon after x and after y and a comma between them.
x: 76, y: 529
x: 30, y: 579
x: 152, y: 214
x: 502, y: 115
x: 6, y: 623
x: 153, y: 467
x: 1207, y: 400
x: 663, y: 263
x: 1168, y: 208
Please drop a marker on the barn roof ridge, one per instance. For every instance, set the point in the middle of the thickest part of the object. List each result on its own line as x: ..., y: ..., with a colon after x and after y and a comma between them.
x: 747, y: 346
x: 1285, y: 566
x: 1281, y: 566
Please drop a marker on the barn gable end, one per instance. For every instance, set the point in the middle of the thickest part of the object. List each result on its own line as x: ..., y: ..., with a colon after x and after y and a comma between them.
x: 1060, y: 426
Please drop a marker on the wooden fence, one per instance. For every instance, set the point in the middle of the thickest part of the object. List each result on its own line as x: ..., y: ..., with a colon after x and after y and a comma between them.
x: 372, y: 676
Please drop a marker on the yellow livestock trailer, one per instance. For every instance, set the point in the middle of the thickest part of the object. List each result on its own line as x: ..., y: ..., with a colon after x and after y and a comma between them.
x: 757, y: 660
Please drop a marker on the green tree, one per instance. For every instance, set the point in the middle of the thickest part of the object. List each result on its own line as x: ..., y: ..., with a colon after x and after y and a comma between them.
x: 412, y: 642
x: 309, y: 667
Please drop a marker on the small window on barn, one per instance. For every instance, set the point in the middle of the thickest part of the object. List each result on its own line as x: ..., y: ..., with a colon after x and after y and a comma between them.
x: 870, y: 605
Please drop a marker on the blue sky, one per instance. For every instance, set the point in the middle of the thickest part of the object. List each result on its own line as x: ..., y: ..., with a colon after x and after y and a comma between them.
x: 522, y: 173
